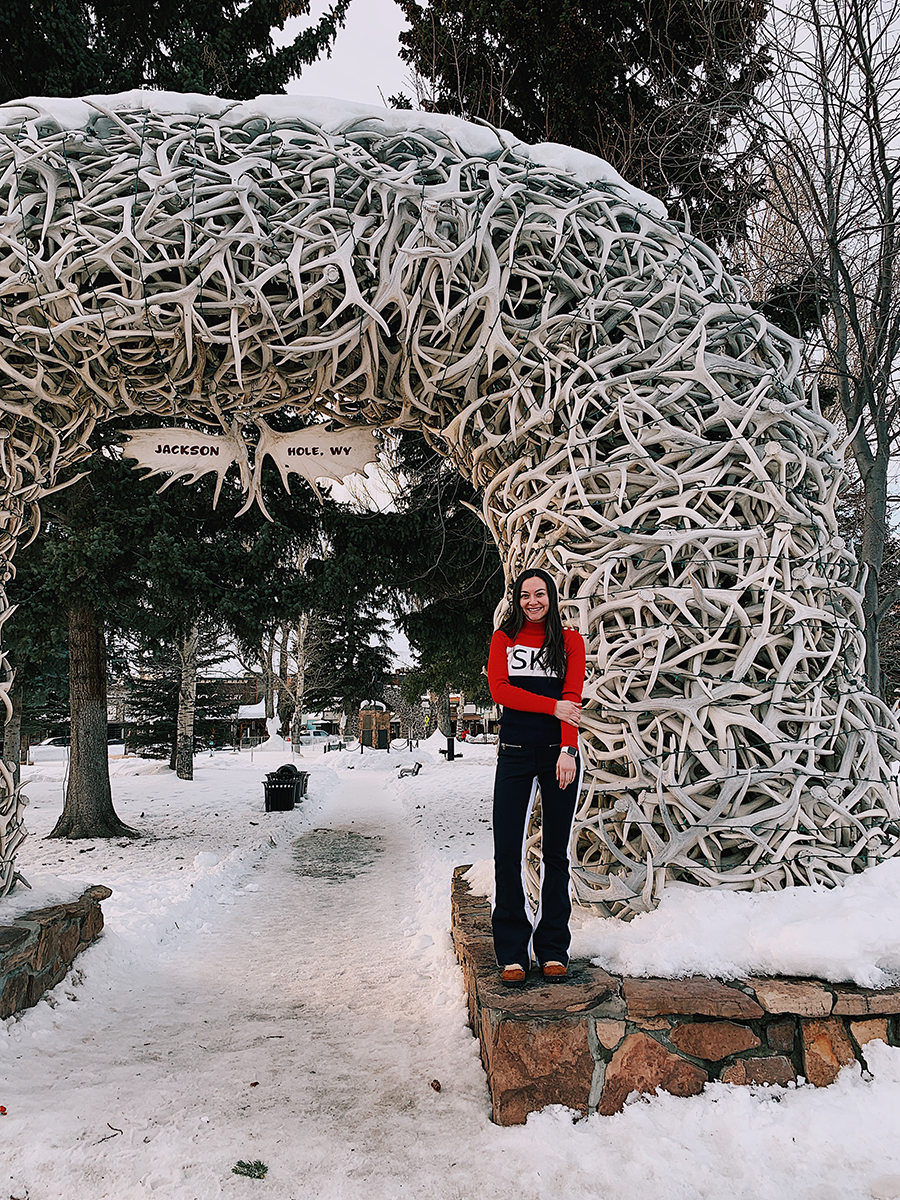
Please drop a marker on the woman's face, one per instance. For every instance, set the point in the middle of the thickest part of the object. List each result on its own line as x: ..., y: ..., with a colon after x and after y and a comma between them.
x: 534, y: 599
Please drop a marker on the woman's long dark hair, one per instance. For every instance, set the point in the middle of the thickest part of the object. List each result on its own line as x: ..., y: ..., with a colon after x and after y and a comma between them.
x: 553, y: 651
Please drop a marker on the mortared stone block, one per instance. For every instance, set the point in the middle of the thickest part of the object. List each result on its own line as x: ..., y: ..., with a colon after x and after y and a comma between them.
x: 780, y: 1036
x: 18, y: 944
x: 826, y: 1048
x: 713, y: 1040
x: 97, y: 891
x: 862, y: 1002
x: 773, y: 1070
x: 641, y: 1064
x: 696, y: 996
x: 92, y: 923
x: 805, y: 999
x: 531, y: 1064
x: 13, y: 993
x: 609, y: 1033
x: 875, y: 1029
x: 586, y: 987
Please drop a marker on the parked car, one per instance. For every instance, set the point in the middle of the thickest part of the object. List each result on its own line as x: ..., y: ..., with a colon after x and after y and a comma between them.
x: 52, y: 749
x: 317, y: 737
x: 56, y: 749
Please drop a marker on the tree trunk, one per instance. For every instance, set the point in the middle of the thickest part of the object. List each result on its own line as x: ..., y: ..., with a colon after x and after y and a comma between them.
x: 187, y: 705
x: 12, y: 731
x: 284, y: 702
x: 268, y: 657
x: 874, y: 533
x: 88, y: 810
x: 299, y: 680
x: 351, y: 719
x: 285, y: 713
x: 440, y: 703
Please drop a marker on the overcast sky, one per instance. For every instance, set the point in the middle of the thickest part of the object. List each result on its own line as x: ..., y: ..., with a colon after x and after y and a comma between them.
x: 364, y: 58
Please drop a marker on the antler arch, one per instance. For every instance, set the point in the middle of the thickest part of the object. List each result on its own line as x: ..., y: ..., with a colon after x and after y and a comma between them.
x: 634, y: 426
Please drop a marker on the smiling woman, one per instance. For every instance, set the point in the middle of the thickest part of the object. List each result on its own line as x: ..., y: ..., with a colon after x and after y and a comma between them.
x: 536, y: 672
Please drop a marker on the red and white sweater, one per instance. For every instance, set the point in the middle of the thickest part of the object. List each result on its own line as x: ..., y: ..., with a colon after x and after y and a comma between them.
x: 519, y: 681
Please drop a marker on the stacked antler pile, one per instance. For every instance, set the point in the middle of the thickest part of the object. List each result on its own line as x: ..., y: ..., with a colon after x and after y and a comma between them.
x: 635, y: 427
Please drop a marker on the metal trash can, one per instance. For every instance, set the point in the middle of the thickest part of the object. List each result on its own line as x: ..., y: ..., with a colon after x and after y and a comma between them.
x: 284, y: 787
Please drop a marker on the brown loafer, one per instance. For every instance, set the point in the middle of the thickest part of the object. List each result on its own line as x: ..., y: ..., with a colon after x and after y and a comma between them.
x: 513, y: 975
x: 555, y: 972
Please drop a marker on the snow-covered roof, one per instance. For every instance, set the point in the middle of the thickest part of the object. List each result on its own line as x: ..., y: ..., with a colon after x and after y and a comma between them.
x: 252, y: 712
x: 332, y: 116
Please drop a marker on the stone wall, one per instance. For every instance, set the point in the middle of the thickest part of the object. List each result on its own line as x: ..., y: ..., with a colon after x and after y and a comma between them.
x: 592, y: 1041
x: 37, y: 949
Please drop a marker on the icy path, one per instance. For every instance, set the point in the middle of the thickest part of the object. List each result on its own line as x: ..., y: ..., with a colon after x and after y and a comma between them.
x: 294, y: 1004
x: 299, y: 1030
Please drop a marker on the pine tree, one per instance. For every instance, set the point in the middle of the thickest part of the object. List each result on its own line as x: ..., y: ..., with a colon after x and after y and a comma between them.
x: 76, y: 47
x: 153, y: 686
x: 36, y: 641
x: 348, y: 658
x: 652, y: 86
x: 85, y: 561
x: 114, y: 554
x: 447, y: 572
x: 429, y: 562
x: 208, y: 569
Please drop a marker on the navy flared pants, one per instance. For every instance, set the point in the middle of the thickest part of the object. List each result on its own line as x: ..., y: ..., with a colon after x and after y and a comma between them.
x: 516, y: 931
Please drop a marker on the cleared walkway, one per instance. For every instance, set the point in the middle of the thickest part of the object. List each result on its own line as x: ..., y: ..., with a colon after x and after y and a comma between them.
x: 303, y: 1030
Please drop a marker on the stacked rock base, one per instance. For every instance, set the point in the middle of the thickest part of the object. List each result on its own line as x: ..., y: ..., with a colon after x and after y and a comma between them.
x: 597, y: 1039
x: 37, y: 949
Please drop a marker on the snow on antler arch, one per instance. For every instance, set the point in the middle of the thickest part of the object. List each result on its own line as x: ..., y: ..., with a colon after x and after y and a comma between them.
x: 635, y: 427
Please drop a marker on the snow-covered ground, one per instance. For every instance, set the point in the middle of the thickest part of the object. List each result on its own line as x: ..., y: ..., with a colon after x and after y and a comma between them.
x: 281, y: 987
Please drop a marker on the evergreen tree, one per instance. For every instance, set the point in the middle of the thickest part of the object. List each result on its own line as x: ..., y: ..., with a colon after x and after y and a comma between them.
x: 441, y: 566
x: 208, y: 569
x: 116, y: 554
x: 652, y: 86
x: 448, y: 572
x: 84, y: 564
x: 36, y: 641
x: 76, y: 47
x: 430, y: 562
x: 153, y: 685
x: 348, y: 658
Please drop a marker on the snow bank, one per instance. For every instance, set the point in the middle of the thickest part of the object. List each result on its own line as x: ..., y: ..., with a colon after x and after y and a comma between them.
x: 146, y: 914
x: 848, y: 933
x: 45, y: 889
x: 851, y: 933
